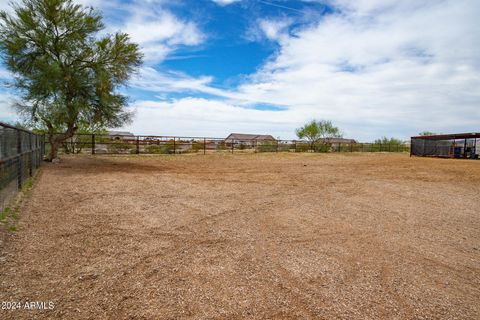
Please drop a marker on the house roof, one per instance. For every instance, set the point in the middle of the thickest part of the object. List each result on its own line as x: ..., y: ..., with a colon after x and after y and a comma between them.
x: 120, y: 133
x: 245, y: 136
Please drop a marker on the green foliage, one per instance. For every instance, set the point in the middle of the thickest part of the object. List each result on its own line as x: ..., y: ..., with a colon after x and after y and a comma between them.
x: 427, y: 133
x: 322, y: 147
x: 385, y: 140
x: 267, y: 146
x: 242, y: 146
x: 286, y: 147
x: 119, y: 146
x: 5, y: 213
x: 221, y: 146
x: 160, y: 149
x: 303, y: 147
x: 67, y: 75
x: 314, y: 131
x: 197, y: 146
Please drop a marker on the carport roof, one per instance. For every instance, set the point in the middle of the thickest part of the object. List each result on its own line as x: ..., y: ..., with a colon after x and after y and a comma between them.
x: 471, y: 135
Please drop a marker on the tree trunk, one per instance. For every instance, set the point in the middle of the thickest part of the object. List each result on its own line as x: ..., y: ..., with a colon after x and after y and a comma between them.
x: 53, y: 147
x: 56, y: 140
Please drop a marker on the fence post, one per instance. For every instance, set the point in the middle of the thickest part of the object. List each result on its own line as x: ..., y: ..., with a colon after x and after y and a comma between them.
x: 19, y: 160
x: 339, y: 147
x: 93, y: 143
x: 295, y: 145
x: 233, y: 141
x: 137, y: 151
x: 276, y: 147
x: 30, y: 155
x: 204, y: 145
x: 43, y: 147
x: 174, y: 146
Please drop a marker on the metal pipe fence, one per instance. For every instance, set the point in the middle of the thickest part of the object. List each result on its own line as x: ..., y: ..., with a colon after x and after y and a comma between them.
x: 135, y: 144
x: 21, y: 153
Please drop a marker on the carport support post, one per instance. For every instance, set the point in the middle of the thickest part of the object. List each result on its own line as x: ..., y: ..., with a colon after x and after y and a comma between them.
x: 233, y: 141
x: 465, y: 148
x: 93, y: 143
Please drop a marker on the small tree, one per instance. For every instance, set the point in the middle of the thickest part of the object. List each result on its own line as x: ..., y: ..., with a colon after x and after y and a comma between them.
x: 427, y: 133
x: 386, y: 140
x: 67, y: 76
x: 315, y: 131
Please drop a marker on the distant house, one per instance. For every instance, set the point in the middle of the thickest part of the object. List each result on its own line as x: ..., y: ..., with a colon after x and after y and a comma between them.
x: 120, y: 135
x: 248, y: 138
x: 339, y: 140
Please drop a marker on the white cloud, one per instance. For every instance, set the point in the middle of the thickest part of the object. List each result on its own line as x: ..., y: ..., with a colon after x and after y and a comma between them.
x: 225, y: 2
x: 171, y: 81
x: 159, y: 32
x: 6, y: 6
x: 272, y: 29
x: 4, y: 74
x: 206, y: 117
x: 7, y: 112
x: 150, y: 24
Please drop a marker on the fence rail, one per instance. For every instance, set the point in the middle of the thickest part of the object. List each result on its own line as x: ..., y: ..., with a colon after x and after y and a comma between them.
x: 107, y: 144
x: 21, y: 153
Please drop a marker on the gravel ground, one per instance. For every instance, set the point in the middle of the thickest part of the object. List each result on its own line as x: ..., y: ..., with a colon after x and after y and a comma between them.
x: 257, y: 236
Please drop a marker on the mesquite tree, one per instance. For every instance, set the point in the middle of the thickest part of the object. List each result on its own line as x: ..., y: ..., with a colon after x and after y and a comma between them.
x: 68, y: 76
x: 314, y: 131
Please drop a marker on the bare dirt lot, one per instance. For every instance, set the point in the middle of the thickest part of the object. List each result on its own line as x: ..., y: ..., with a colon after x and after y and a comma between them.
x: 257, y: 236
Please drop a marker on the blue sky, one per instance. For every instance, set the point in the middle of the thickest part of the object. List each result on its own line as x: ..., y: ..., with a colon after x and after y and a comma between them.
x: 374, y: 67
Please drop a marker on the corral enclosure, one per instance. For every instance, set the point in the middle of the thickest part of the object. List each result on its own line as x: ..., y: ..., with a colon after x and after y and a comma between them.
x: 279, y: 236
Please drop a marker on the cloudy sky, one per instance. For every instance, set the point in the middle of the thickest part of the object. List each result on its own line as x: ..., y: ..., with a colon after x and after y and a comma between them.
x: 374, y: 67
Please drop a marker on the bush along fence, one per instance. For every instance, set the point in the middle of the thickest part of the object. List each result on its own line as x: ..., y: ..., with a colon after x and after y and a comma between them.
x: 21, y: 153
x: 130, y: 144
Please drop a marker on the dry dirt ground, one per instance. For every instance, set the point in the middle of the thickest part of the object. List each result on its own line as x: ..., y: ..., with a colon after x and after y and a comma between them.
x: 257, y: 236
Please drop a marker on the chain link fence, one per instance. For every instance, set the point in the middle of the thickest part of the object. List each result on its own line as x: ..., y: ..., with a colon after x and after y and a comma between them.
x: 133, y: 144
x: 21, y: 153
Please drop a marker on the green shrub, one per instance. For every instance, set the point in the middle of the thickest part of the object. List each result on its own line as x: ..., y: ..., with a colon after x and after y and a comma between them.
x: 119, y: 146
x: 267, y: 147
x: 322, y: 147
x: 196, y: 146
x: 160, y: 149
x: 303, y: 147
x: 285, y: 147
x: 221, y: 146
